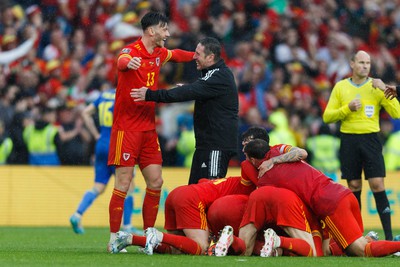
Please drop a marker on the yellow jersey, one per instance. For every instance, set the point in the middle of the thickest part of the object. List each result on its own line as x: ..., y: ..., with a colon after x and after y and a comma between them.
x: 366, y: 119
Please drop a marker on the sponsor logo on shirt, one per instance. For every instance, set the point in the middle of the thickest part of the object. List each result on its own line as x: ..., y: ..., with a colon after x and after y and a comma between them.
x: 204, y: 165
x: 126, y: 51
x: 158, y: 61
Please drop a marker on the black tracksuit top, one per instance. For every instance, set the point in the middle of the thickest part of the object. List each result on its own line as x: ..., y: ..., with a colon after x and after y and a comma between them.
x: 216, y: 106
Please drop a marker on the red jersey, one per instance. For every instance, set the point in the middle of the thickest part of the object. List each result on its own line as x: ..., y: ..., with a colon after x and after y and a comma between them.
x: 248, y: 171
x: 211, y: 190
x: 140, y: 116
x: 315, y: 189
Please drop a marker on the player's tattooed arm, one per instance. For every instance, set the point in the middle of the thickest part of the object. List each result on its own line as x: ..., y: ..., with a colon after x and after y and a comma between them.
x: 294, y: 154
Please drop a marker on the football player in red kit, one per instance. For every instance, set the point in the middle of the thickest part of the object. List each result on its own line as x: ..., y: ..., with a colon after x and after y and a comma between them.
x: 133, y: 138
x: 329, y: 201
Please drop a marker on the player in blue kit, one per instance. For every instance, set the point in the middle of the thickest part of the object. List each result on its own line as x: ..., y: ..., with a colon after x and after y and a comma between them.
x: 104, y: 106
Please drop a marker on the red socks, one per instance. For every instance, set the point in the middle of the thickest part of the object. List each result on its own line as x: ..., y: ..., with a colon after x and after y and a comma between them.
x: 141, y: 241
x: 116, y: 209
x: 317, y: 238
x: 150, y: 207
x: 296, y: 245
x: 381, y: 248
x: 257, y: 247
x: 238, y: 246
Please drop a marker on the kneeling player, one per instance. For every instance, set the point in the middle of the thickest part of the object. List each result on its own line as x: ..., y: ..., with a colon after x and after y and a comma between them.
x: 185, y: 216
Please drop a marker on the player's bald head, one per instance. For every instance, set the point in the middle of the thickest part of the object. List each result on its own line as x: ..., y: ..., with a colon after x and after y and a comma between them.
x: 360, y: 54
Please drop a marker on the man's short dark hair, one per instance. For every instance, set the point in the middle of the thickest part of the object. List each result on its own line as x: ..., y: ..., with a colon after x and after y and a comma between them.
x: 255, y: 132
x: 211, y: 46
x: 153, y: 19
x: 256, y: 148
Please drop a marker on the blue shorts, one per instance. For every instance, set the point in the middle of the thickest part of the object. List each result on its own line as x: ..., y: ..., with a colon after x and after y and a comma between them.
x: 102, y: 171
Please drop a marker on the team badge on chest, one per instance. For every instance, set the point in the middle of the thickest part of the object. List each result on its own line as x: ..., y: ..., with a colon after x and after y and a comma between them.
x: 126, y: 156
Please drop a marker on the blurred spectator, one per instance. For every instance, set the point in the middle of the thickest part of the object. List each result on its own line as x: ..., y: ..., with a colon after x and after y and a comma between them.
x: 21, y: 119
x: 290, y: 50
x: 323, y: 151
x: 182, y: 10
x: 188, y: 40
x: 58, y: 46
x: 6, y: 144
x: 255, y: 81
x: 34, y: 16
x: 41, y: 138
x: 167, y: 145
x: 74, y: 149
x: 251, y: 117
x: 392, y: 152
x: 186, y: 144
x: 10, y: 54
x: 280, y: 133
x: 123, y: 27
x: 7, y: 97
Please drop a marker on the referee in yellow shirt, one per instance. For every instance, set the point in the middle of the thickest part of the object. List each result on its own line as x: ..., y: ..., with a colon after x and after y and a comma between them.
x: 356, y: 103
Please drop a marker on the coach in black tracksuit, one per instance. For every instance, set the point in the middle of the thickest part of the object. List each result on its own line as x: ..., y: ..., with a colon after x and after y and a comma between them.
x: 215, y: 111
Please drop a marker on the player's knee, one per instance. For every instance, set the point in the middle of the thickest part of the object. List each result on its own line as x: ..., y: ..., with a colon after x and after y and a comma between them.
x: 247, y: 231
x: 377, y: 186
x: 154, y: 183
x: 98, y: 191
x: 123, y: 180
x: 355, y: 185
x: 98, y: 188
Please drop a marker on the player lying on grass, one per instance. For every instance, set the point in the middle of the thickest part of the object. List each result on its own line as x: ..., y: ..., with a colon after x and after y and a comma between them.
x: 185, y: 217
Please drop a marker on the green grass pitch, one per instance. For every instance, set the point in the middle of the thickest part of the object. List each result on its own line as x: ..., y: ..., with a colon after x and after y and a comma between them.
x: 59, y: 246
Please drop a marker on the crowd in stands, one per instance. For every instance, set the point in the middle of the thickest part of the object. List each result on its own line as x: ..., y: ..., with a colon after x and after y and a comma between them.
x: 286, y: 56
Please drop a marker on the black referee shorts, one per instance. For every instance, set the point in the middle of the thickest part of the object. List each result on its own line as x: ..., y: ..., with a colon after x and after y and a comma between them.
x: 210, y: 164
x: 361, y: 152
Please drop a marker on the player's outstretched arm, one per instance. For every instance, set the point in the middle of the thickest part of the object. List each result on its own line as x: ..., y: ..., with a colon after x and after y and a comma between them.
x: 87, y: 115
x: 139, y: 94
x: 127, y: 63
x: 294, y: 154
x: 389, y: 90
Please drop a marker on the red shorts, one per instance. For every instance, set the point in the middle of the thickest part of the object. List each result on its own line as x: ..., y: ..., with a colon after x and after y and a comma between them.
x: 345, y: 224
x: 272, y: 205
x: 184, y: 210
x: 131, y: 148
x: 227, y: 210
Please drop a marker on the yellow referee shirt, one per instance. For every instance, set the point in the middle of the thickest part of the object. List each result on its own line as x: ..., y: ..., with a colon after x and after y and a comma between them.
x: 364, y: 120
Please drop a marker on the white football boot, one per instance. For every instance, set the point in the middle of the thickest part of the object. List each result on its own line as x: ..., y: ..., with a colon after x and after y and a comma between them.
x: 224, y: 241
x: 272, y: 241
x: 153, y: 239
